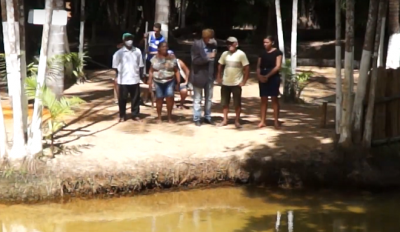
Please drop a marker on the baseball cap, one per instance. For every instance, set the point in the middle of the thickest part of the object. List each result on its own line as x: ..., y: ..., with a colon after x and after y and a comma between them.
x: 126, y: 35
x: 232, y: 39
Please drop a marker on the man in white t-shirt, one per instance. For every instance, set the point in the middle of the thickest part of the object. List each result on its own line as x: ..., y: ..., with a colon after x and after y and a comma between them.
x: 236, y: 73
x: 128, y: 64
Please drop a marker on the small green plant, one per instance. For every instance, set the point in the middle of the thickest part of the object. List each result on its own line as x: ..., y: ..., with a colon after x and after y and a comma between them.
x: 295, y: 83
x: 58, y: 109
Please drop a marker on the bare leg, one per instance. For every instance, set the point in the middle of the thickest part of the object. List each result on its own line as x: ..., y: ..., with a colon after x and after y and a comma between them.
x: 170, y: 106
x: 225, y: 111
x: 263, y: 111
x: 276, y: 107
x: 184, y: 95
x: 238, y: 110
x: 159, y: 104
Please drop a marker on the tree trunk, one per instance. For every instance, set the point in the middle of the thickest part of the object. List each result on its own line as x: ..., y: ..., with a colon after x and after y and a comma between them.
x: 338, y: 60
x: 14, y: 77
x: 82, y: 30
x: 35, y: 132
x: 162, y: 16
x: 358, y: 108
x: 183, y: 14
x: 293, y: 53
x: 3, y: 135
x: 22, y: 49
x: 345, y: 132
x: 56, y: 50
x: 367, y: 137
x: 393, y: 54
x: 281, y: 42
x: 6, y: 43
x: 382, y: 38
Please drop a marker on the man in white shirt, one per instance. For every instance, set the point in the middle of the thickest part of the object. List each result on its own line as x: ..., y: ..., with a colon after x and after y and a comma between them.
x: 128, y: 63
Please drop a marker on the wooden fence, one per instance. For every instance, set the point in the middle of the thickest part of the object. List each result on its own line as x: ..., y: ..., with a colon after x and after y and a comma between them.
x: 386, y: 121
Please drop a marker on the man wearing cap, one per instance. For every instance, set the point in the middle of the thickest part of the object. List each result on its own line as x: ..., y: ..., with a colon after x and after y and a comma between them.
x: 236, y: 73
x: 128, y: 64
x: 201, y: 77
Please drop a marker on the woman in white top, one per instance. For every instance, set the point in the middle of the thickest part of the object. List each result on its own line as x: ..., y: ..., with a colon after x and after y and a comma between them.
x: 184, y: 83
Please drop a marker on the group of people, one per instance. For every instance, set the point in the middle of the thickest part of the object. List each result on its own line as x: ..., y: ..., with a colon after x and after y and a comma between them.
x: 167, y: 74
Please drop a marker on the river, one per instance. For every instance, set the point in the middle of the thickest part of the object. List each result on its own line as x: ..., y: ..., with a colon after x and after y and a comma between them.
x: 228, y: 209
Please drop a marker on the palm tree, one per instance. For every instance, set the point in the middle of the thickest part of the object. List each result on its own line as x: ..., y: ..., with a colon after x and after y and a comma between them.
x: 374, y: 77
x: 22, y: 52
x: 393, y: 54
x: 345, y: 132
x: 162, y: 15
x: 56, y: 49
x: 358, y: 108
x: 82, y: 29
x: 293, y: 58
x: 35, y: 132
x: 281, y: 41
x: 18, y: 150
x: 338, y: 61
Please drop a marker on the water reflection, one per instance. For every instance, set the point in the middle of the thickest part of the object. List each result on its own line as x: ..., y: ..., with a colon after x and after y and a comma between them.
x: 214, y: 210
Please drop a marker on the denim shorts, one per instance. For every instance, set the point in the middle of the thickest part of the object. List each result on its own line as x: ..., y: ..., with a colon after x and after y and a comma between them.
x: 164, y: 90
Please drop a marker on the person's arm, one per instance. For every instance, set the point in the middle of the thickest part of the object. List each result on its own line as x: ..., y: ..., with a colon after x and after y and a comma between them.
x: 115, y: 63
x: 199, y: 56
x: 185, y: 70
x: 258, y: 67
x: 275, y: 70
x: 141, y: 65
x: 245, y: 63
x: 150, y: 81
x: 177, y: 76
x: 221, y: 65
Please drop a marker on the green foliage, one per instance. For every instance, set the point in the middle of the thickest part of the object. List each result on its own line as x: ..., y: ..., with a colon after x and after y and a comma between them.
x: 58, y: 108
x: 72, y: 64
x: 297, y: 81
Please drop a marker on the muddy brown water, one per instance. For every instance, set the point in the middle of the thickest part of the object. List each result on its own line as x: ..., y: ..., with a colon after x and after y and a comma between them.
x: 230, y: 209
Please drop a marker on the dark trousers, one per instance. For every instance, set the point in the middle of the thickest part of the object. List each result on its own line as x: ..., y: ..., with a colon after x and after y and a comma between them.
x: 134, y: 93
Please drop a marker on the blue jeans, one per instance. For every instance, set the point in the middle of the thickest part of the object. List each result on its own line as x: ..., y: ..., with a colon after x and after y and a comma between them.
x: 164, y: 90
x: 197, y: 96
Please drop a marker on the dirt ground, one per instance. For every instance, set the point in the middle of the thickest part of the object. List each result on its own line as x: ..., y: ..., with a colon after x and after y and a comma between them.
x: 97, y: 140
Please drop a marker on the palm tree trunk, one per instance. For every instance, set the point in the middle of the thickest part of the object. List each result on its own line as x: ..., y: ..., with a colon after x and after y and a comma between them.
x: 281, y: 42
x: 183, y: 14
x: 345, y: 132
x: 162, y: 16
x: 82, y: 30
x: 358, y: 108
x: 382, y: 38
x: 338, y: 56
x: 18, y: 151
x: 393, y: 54
x: 3, y: 135
x: 293, y: 49
x: 35, y: 133
x: 22, y: 49
x: 367, y: 137
x: 6, y: 42
x: 56, y: 50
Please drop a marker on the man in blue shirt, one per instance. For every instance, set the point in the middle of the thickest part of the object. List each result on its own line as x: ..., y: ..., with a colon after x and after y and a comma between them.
x: 153, y: 38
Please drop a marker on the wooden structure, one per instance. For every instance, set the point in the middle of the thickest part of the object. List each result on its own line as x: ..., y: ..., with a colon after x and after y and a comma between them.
x: 386, y: 122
